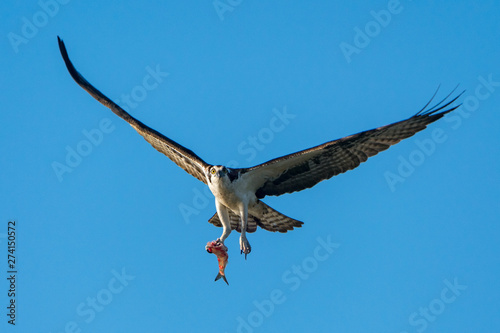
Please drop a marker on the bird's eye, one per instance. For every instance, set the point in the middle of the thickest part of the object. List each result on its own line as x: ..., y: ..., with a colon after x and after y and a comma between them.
x: 213, y: 171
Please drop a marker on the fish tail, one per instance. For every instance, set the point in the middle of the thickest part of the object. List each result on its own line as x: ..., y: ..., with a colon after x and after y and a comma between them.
x: 221, y: 276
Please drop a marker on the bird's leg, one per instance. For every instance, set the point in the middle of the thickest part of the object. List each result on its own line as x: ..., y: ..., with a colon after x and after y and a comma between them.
x: 226, y: 222
x: 244, y: 244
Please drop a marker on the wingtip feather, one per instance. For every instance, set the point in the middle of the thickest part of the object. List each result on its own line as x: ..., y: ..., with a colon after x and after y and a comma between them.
x: 433, y: 110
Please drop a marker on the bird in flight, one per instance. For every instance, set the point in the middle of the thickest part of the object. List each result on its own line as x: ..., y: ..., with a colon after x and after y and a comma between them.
x: 238, y: 191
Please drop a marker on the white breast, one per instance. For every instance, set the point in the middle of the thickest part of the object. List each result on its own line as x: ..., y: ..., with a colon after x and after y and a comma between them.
x: 234, y: 194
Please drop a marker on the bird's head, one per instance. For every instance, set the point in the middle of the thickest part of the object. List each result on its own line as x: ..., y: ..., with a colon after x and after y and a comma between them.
x: 217, y: 172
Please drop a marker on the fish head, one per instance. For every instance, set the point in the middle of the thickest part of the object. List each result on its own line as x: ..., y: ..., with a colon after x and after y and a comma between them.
x: 216, y: 247
x: 210, y: 246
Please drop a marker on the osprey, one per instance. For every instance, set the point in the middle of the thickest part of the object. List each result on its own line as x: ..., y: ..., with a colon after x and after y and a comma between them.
x: 238, y: 192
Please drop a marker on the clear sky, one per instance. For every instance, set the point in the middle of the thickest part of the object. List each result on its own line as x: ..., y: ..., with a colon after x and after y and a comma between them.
x: 110, y: 234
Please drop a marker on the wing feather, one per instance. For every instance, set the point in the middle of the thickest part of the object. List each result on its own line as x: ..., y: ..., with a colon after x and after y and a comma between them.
x: 304, y: 169
x: 180, y: 155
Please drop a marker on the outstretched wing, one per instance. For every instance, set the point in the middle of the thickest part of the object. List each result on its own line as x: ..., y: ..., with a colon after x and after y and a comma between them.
x: 180, y: 155
x: 304, y: 169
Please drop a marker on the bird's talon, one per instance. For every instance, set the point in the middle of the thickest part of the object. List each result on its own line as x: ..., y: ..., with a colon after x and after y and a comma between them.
x: 245, y: 247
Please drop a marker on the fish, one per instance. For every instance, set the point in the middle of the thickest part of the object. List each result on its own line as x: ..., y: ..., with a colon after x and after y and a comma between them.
x: 220, y: 250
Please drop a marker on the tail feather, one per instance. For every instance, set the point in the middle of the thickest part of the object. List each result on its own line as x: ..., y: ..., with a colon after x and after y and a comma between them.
x: 235, y: 222
x: 221, y: 276
x: 273, y: 220
x: 265, y: 217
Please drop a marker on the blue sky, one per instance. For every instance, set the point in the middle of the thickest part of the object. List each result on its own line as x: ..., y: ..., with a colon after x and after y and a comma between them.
x: 111, y: 234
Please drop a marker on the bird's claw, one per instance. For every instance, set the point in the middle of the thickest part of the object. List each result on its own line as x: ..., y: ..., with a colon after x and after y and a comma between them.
x: 245, y: 247
x: 220, y: 243
x: 216, y: 243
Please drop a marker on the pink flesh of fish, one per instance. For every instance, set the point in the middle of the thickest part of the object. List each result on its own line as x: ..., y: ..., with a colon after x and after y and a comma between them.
x: 220, y: 250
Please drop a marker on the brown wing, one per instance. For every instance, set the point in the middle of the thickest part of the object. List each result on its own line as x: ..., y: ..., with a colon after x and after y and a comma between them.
x: 180, y: 155
x: 304, y: 169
